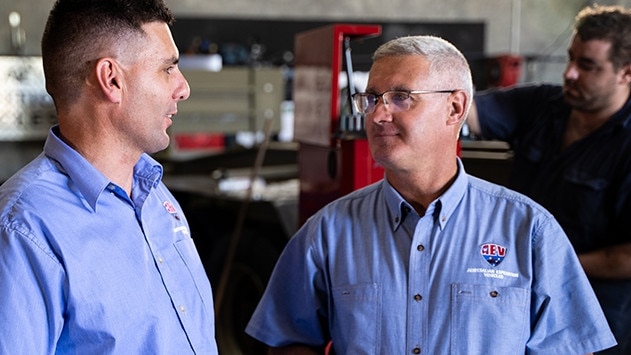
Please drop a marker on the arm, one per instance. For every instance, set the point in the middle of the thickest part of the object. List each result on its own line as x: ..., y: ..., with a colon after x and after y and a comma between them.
x: 472, y: 119
x: 608, y: 263
x: 31, y: 295
x: 563, y: 298
x: 499, y: 112
x: 293, y: 293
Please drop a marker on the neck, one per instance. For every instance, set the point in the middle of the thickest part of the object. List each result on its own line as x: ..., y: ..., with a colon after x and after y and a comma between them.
x: 422, y: 187
x: 113, y: 162
x: 582, y: 123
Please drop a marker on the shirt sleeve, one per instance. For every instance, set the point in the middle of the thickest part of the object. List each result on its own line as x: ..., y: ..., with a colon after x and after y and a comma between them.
x: 292, y: 309
x: 560, y: 285
x: 503, y: 112
x: 31, y: 294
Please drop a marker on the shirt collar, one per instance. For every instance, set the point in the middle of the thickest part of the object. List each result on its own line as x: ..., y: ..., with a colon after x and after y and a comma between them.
x: 86, y: 178
x: 442, y: 208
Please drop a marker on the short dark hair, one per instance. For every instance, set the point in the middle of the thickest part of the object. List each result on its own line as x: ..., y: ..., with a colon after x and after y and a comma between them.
x: 80, y: 31
x: 609, y: 23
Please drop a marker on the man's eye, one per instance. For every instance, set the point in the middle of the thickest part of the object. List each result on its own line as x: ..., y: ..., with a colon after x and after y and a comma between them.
x: 399, y: 97
x: 587, y: 67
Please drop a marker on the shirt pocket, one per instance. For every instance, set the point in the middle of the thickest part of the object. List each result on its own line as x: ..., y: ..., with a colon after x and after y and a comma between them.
x: 358, y: 308
x: 585, y: 191
x: 190, y: 258
x: 488, y: 319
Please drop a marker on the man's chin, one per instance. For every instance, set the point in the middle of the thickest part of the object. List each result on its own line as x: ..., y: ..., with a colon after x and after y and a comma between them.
x: 159, y: 146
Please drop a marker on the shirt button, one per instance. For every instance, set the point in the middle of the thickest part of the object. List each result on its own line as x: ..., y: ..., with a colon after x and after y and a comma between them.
x: 418, y: 297
x: 182, y: 309
x: 494, y: 294
x: 416, y: 351
x: 420, y: 247
x: 160, y: 260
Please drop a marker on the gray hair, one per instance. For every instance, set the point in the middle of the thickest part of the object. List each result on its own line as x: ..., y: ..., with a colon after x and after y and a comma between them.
x: 447, y: 63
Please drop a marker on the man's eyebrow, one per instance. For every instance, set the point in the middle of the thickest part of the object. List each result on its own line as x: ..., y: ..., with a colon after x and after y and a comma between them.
x: 581, y: 59
x: 372, y: 90
x: 172, y: 60
x: 586, y: 61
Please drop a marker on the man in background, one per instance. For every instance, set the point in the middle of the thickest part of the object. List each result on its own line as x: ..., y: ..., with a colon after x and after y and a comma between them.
x: 572, y: 153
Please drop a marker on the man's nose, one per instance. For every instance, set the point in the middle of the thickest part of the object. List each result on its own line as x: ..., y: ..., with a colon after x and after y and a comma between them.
x: 183, y: 90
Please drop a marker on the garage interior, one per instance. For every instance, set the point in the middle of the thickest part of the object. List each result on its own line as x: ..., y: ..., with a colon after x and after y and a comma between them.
x: 262, y: 143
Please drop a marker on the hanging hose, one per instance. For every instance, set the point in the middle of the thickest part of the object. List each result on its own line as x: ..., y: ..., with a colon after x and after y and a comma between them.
x: 236, y: 235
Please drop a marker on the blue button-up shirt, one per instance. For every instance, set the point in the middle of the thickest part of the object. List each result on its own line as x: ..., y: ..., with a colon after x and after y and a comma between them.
x: 84, y: 269
x: 485, y: 270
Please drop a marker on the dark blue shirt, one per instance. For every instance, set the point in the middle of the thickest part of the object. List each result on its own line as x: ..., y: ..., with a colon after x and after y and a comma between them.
x: 586, y: 186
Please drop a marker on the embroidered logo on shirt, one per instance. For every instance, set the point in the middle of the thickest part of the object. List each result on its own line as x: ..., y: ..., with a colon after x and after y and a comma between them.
x: 493, y: 253
x: 169, y: 207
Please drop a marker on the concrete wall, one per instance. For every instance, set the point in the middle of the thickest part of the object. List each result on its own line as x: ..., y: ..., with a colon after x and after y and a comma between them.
x: 526, y: 27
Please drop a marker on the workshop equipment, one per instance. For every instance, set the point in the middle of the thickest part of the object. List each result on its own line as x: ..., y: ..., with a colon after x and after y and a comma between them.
x: 26, y: 112
x: 333, y: 154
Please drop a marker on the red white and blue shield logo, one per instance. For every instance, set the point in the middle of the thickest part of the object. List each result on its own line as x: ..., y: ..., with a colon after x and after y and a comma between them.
x: 169, y: 207
x: 493, y: 253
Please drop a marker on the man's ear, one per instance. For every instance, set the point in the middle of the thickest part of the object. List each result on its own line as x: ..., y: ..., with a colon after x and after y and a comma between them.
x: 458, y: 103
x: 109, y: 78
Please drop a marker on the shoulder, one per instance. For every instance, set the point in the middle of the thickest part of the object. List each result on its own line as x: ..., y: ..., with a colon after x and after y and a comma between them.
x: 31, y: 193
x: 524, y: 97
x: 29, y: 183
x: 26, y: 201
x: 509, y: 204
x: 349, y: 204
x: 525, y: 90
x: 345, y: 211
x: 518, y: 213
x: 485, y: 189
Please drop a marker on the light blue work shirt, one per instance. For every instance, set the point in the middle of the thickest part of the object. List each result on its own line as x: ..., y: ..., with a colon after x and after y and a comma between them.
x: 484, y: 271
x: 84, y: 269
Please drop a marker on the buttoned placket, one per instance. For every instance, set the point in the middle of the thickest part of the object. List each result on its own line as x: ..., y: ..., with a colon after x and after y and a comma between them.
x: 418, y: 280
x: 158, y: 259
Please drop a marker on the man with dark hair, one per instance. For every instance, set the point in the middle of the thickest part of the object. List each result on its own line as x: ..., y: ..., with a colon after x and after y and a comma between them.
x: 95, y: 253
x: 429, y: 260
x: 572, y: 147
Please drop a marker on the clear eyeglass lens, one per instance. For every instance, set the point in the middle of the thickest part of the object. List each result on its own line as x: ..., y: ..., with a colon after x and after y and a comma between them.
x: 365, y: 103
x: 396, y: 101
x: 400, y: 100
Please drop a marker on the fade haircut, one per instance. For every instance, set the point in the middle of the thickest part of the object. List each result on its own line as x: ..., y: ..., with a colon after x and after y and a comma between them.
x: 447, y: 64
x: 78, y: 32
x: 608, y: 23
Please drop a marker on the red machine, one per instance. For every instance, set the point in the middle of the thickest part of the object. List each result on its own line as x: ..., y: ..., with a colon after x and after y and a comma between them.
x: 504, y: 70
x: 333, y: 154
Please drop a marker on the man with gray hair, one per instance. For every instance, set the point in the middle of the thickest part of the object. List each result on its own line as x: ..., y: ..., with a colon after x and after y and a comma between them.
x: 430, y: 260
